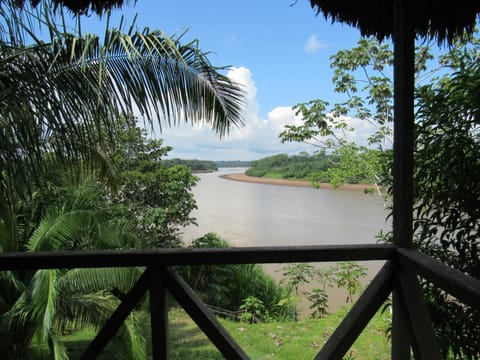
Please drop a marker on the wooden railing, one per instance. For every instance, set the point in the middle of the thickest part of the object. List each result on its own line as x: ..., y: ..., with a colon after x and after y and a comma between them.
x: 400, y: 273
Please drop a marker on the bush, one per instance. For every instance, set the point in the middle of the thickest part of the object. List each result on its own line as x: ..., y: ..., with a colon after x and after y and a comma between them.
x: 227, y: 286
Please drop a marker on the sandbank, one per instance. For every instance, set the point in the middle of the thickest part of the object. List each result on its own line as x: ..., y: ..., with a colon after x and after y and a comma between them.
x: 289, y: 182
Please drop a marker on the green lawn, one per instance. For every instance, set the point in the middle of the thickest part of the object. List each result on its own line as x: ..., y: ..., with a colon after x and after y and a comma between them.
x: 275, y: 340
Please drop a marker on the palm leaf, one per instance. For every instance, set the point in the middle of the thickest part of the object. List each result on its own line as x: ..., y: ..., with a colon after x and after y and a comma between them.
x: 44, y: 295
x: 60, y: 230
x: 81, y: 281
x: 60, y: 96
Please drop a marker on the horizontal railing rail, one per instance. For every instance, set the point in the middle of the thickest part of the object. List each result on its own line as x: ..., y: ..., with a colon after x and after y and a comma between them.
x: 400, y: 272
x: 177, y: 257
x: 464, y: 288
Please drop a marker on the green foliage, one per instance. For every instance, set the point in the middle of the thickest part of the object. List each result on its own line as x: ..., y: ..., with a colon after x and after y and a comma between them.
x: 363, y: 77
x: 38, y: 306
x: 347, y: 275
x: 228, y: 286
x: 61, y: 98
x: 446, y: 178
x: 353, y: 164
x: 294, y: 276
x: 447, y: 192
x: 319, y: 302
x: 284, y: 166
x: 194, y: 165
x: 155, y: 197
x: 446, y: 212
x: 318, y: 297
x: 59, y: 92
x: 252, y: 309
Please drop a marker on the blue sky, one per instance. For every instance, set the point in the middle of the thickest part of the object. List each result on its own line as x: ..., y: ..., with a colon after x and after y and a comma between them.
x: 278, y: 49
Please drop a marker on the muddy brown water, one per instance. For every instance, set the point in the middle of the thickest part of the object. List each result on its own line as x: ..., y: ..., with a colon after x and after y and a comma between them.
x: 250, y: 214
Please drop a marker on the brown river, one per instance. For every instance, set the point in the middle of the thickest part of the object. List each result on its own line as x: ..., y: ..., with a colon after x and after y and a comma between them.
x: 250, y: 214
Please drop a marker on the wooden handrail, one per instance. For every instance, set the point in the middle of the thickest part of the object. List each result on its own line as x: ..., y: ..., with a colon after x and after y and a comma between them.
x: 176, y: 257
x: 406, y: 264
x: 463, y: 287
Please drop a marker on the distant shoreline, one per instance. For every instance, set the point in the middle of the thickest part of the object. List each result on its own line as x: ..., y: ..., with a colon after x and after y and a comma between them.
x: 288, y: 182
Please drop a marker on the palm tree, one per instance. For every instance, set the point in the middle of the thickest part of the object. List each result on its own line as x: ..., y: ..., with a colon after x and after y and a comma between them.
x: 56, y: 96
x: 37, y: 307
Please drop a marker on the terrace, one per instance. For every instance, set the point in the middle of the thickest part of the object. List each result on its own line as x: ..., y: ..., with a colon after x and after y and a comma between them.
x: 399, y: 274
x: 411, y: 326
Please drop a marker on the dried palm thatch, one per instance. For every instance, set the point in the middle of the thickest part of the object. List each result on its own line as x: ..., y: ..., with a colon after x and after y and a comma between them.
x: 442, y: 20
x: 77, y: 6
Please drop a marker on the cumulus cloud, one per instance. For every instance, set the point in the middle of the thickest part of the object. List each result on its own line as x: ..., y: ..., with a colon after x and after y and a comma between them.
x: 314, y: 44
x: 256, y: 139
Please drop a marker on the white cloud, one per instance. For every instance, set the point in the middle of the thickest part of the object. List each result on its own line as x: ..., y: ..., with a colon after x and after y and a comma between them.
x: 256, y: 139
x: 314, y: 44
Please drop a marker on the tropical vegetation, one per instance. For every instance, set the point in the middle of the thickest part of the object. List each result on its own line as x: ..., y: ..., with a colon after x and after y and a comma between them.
x: 349, y: 164
x: 302, y: 166
x: 77, y: 173
x: 195, y: 165
x: 446, y: 221
x: 233, y: 163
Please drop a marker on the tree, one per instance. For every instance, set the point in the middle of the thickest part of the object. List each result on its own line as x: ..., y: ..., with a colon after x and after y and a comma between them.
x: 57, y: 95
x: 447, y: 169
x: 363, y: 75
x: 59, y: 99
x: 155, y: 197
x: 447, y: 191
x: 38, y: 306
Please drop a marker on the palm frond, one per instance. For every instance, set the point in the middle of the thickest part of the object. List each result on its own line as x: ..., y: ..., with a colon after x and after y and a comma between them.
x: 44, y: 296
x: 61, y: 96
x: 59, y: 350
x: 10, y: 288
x: 60, y: 230
x: 84, y: 281
x: 84, y: 310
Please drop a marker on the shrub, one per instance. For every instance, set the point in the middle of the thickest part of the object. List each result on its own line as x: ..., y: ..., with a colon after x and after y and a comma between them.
x: 227, y: 286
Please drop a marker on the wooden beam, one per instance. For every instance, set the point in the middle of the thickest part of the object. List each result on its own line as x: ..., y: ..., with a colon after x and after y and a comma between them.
x: 118, y: 317
x: 421, y: 331
x: 158, y: 313
x: 400, y: 327
x: 360, y: 314
x: 404, y: 72
x: 173, y: 257
x: 197, y: 310
x: 464, y: 288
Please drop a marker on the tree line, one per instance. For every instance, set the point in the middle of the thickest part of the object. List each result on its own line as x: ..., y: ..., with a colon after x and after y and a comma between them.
x: 341, y: 166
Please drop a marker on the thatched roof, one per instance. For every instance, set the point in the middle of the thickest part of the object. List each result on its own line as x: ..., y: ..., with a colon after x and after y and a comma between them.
x: 442, y: 20
x: 77, y: 6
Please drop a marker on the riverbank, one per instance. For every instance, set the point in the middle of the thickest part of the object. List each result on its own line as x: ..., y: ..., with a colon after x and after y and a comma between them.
x: 289, y: 182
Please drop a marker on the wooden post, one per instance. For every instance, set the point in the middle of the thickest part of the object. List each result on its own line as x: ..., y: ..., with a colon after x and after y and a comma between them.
x: 404, y: 73
x: 158, y: 313
x: 199, y: 313
x: 361, y: 313
x: 117, y: 319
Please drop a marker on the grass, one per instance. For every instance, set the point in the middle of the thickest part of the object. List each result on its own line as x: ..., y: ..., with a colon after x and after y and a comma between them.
x: 274, y: 340
x: 273, y: 175
x: 278, y: 340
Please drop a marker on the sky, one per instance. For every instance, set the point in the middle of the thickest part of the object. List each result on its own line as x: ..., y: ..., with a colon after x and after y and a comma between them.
x: 278, y: 50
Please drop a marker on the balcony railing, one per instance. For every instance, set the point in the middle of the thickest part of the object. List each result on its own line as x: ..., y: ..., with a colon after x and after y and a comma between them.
x: 400, y: 273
